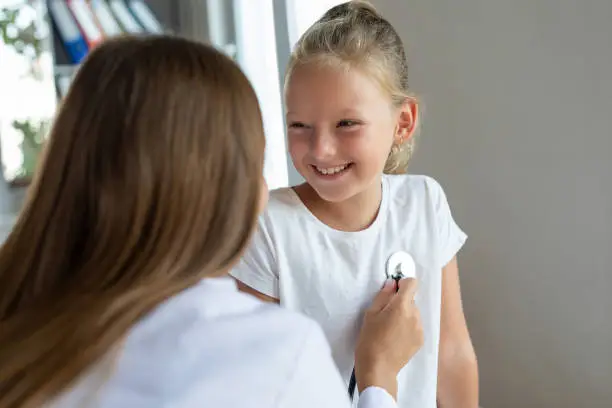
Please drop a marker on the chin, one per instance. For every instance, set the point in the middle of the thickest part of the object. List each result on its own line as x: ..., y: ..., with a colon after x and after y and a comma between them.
x: 334, y: 195
x: 336, y: 192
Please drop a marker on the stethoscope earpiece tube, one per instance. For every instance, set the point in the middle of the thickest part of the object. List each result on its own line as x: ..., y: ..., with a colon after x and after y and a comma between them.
x: 400, y: 265
x: 353, y: 381
x: 352, y: 385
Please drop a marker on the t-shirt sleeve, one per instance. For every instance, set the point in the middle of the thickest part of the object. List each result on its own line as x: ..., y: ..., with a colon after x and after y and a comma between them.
x: 258, y: 267
x: 450, y: 236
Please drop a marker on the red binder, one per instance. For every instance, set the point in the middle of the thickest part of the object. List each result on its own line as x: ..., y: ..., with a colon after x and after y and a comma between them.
x: 86, y: 21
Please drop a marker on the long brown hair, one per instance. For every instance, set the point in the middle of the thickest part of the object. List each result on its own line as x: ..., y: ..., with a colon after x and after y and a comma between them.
x: 150, y: 182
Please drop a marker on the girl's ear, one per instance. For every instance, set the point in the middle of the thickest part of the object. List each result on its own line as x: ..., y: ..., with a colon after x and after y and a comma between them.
x: 407, y: 121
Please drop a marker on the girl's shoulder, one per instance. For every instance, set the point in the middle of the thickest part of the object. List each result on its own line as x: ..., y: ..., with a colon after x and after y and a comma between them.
x: 400, y: 191
x: 284, y: 205
x: 284, y: 212
x: 406, y: 189
x: 282, y: 198
x: 418, y: 207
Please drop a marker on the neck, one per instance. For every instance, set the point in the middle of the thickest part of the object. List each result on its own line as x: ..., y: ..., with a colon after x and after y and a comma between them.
x: 354, y: 214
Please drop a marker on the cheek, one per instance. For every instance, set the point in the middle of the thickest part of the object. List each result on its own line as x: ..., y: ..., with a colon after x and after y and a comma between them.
x: 373, y: 146
x: 297, y: 146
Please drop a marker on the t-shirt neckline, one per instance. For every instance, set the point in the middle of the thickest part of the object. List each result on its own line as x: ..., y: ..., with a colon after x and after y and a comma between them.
x: 367, y: 232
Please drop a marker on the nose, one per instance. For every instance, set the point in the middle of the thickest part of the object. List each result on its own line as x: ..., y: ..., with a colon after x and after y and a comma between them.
x: 323, y: 144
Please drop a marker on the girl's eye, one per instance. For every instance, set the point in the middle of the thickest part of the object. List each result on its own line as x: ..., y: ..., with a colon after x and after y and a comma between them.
x: 297, y: 125
x: 347, y: 123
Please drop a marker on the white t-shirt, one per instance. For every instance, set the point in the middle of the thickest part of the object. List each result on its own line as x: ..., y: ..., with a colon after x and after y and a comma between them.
x: 332, y: 276
x: 212, y: 346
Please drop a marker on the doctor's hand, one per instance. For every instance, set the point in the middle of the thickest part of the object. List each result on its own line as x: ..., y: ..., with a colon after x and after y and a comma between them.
x: 391, y: 334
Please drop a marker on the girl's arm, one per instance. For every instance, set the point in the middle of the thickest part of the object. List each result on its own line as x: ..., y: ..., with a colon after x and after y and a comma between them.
x: 257, y: 273
x: 247, y: 289
x: 458, y: 368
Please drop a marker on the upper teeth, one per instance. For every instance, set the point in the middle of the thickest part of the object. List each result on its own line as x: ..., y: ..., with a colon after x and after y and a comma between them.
x: 332, y: 170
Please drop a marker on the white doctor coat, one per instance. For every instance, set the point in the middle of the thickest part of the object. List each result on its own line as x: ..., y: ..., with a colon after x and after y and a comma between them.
x: 212, y: 346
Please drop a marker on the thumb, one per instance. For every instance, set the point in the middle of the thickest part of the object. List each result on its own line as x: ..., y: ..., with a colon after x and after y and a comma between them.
x: 407, y: 290
x: 384, y: 296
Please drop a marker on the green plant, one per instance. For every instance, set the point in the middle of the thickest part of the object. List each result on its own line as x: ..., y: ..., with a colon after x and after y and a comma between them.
x: 31, y: 145
x: 27, y: 41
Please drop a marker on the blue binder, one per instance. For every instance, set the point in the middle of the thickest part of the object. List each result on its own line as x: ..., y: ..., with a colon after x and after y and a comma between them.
x: 74, y: 42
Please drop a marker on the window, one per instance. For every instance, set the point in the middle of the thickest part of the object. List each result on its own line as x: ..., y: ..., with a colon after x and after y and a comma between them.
x: 302, y: 14
x: 256, y: 54
x: 265, y: 31
x: 26, y: 68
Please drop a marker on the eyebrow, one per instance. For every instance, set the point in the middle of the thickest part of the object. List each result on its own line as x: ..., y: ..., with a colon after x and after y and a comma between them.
x: 345, y: 112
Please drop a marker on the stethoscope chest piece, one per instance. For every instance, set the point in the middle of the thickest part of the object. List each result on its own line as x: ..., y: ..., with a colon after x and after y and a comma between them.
x: 400, y: 265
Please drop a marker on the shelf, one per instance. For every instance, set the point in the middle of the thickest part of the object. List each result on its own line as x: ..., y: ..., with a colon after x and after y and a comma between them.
x: 65, y: 69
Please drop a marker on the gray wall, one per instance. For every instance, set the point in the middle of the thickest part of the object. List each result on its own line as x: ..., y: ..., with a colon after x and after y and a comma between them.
x: 518, y: 128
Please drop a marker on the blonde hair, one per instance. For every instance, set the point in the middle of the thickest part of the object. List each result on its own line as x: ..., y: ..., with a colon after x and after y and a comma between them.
x: 354, y: 33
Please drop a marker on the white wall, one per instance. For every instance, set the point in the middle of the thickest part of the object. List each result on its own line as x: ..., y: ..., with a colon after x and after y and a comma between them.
x: 518, y: 128
x: 256, y: 54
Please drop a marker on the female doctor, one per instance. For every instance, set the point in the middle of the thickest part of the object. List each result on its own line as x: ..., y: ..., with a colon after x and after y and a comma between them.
x: 113, y: 286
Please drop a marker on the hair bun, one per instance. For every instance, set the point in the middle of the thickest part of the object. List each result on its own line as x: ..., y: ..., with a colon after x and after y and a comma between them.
x: 360, y: 9
x: 363, y: 7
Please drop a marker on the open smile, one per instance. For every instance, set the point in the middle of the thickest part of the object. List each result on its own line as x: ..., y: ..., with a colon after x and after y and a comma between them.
x: 332, y: 171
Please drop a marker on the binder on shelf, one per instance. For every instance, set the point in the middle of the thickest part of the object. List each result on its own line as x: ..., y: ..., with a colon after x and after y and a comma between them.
x: 86, y: 22
x: 72, y: 39
x: 105, y: 18
x: 142, y: 12
x: 124, y: 17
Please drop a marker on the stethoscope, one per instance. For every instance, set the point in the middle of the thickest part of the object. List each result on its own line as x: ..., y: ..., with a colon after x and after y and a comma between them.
x: 400, y: 265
